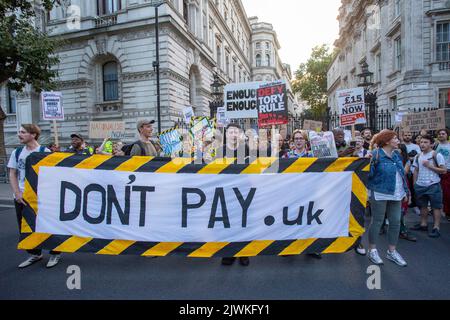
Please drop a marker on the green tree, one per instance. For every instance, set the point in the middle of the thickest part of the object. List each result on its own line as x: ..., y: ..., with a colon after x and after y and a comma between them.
x: 311, y: 80
x: 27, y: 54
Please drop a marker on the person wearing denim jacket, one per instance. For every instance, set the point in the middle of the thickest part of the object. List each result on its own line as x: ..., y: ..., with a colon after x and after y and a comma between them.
x: 388, y: 188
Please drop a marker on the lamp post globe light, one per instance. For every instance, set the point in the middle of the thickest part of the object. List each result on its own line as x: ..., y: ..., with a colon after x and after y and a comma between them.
x: 366, y: 82
x: 217, y: 94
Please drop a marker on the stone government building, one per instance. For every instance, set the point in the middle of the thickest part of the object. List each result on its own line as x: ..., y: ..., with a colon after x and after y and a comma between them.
x: 106, y: 69
x: 406, y: 44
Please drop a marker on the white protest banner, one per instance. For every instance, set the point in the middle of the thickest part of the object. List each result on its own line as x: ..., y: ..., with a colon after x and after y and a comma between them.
x: 107, y: 129
x: 351, y: 105
x: 241, y: 100
x: 188, y: 113
x: 101, y: 204
x: 156, y: 206
x: 52, y: 106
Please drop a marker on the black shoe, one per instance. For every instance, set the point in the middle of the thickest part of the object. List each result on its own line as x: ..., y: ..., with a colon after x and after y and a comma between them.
x: 244, y: 261
x: 419, y: 227
x: 317, y: 256
x: 407, y: 236
x: 435, y: 233
x: 228, y: 261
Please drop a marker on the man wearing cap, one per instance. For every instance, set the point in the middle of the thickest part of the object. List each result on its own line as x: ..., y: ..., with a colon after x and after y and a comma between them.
x: 77, y: 145
x: 145, y: 147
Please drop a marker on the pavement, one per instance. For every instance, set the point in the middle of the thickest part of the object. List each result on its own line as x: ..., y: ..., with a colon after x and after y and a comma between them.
x: 335, y: 277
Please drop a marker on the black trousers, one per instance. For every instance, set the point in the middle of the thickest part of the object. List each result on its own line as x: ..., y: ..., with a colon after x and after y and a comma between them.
x: 19, y: 214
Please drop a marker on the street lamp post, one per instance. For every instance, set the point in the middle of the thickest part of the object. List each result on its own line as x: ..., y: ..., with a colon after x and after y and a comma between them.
x: 156, y: 63
x: 366, y: 82
x: 217, y: 93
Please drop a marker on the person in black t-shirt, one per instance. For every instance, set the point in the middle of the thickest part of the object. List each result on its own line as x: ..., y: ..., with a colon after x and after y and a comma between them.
x: 234, y: 147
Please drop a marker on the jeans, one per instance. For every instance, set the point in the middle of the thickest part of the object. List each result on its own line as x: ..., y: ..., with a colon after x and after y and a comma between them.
x: 19, y: 214
x: 393, y: 211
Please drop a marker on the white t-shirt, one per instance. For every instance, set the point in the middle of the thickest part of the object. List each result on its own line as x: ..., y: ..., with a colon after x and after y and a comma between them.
x: 426, y: 176
x: 20, y: 167
x: 398, y: 195
x: 413, y: 147
x: 444, y: 150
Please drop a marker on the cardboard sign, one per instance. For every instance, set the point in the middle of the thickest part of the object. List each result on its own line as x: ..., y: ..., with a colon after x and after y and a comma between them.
x: 352, y: 107
x: 52, y: 106
x: 430, y: 121
x: 312, y: 125
x: 106, y: 129
x: 272, y: 105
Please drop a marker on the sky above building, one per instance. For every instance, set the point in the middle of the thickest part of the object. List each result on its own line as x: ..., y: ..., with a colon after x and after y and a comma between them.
x: 300, y: 24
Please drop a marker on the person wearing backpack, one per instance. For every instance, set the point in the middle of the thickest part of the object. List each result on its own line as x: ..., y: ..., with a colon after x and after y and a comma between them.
x: 28, y: 136
x: 144, y: 147
x: 428, y: 165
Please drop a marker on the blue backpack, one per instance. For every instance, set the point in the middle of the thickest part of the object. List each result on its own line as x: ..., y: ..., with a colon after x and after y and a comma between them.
x: 20, y: 149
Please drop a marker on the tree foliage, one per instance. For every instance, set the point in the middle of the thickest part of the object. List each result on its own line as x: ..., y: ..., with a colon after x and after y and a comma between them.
x: 26, y: 53
x: 311, y: 80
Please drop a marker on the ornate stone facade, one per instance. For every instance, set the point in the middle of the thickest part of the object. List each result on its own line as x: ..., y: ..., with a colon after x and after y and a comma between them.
x: 406, y: 44
x: 197, y: 38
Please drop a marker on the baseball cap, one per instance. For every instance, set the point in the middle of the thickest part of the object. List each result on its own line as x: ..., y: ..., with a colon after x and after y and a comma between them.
x: 142, y: 123
x: 77, y: 135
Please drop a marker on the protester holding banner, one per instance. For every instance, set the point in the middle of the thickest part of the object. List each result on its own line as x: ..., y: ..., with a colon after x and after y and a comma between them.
x: 78, y: 145
x: 28, y: 137
x: 360, y: 151
x: 234, y: 148
x: 282, y: 149
x: 428, y: 165
x: 367, y: 135
x: 145, y: 146
x: 343, y: 149
x: 299, y: 139
x: 117, y: 149
x: 443, y: 148
x: 388, y: 188
x: 53, y: 147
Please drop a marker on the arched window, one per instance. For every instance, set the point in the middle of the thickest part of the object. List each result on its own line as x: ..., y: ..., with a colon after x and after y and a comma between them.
x: 258, y: 60
x: 258, y: 45
x: 268, y: 59
x: 110, y: 82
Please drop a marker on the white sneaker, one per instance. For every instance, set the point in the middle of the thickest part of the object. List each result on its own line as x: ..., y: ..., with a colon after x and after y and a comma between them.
x: 396, y: 258
x: 31, y: 260
x: 360, y: 250
x: 53, y: 261
x: 375, y: 257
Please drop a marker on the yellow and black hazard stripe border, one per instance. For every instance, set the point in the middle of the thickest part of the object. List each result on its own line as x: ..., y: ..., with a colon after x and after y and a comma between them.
x: 31, y: 240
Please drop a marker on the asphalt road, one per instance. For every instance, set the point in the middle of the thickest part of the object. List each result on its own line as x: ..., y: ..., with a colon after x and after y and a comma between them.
x: 267, y: 278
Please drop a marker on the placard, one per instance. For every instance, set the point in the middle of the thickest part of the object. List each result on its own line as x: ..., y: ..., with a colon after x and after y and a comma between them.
x: 272, y: 105
x: 107, y: 129
x: 351, y: 105
x: 52, y: 106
